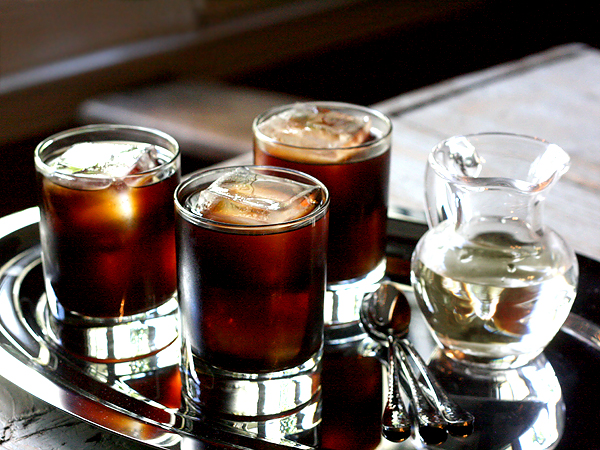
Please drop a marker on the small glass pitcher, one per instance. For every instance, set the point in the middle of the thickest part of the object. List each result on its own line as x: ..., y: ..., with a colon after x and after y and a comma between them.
x: 494, y: 283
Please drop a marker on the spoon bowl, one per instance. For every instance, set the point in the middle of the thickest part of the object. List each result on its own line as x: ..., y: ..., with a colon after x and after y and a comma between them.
x: 387, y: 312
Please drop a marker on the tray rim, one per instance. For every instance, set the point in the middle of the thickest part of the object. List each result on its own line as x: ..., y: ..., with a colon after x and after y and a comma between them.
x: 40, y: 385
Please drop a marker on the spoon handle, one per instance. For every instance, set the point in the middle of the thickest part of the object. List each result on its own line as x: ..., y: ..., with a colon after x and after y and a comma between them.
x: 460, y: 422
x: 430, y: 422
x: 395, y: 422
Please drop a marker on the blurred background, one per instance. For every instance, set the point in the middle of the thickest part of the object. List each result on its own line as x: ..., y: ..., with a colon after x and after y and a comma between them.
x: 202, y: 69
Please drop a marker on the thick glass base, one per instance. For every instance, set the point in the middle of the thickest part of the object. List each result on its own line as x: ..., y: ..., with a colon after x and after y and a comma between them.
x: 213, y: 391
x: 342, y: 304
x: 112, y: 339
x: 300, y: 428
x: 499, y: 362
x: 492, y: 356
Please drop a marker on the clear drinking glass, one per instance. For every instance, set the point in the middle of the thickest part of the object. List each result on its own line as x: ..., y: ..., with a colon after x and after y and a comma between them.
x: 493, y: 281
x: 347, y: 147
x: 108, y: 240
x: 251, y: 267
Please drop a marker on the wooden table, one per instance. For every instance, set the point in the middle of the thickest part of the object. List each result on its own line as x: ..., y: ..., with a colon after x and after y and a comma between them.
x: 554, y: 95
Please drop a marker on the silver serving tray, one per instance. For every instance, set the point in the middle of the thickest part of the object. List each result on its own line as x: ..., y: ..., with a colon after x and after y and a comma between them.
x: 106, y: 394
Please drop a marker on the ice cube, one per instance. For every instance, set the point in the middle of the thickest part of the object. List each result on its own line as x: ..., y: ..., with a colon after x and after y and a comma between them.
x: 331, y: 134
x: 245, y: 197
x: 466, y: 161
x: 104, y: 162
x: 148, y: 160
x: 311, y: 126
x: 113, y: 159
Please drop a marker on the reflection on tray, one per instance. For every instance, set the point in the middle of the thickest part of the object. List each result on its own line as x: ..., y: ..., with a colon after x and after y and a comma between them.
x: 521, y: 408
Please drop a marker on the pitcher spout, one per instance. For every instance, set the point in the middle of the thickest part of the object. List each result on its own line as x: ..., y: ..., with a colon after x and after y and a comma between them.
x: 495, y: 164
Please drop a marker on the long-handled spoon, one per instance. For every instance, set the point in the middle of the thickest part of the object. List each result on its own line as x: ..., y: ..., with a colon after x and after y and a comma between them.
x: 395, y: 421
x: 379, y: 309
x: 395, y: 304
x: 460, y: 422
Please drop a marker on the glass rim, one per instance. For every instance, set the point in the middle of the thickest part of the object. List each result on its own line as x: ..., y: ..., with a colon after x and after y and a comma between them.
x: 478, y: 182
x: 317, y: 213
x: 498, y: 134
x: 333, y: 105
x: 55, y: 138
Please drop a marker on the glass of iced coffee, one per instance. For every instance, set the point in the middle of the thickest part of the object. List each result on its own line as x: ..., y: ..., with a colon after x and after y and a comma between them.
x: 347, y: 147
x: 251, y: 256
x: 108, y: 240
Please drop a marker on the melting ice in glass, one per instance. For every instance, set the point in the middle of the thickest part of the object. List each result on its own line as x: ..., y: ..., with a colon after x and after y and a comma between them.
x: 249, y: 198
